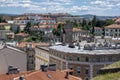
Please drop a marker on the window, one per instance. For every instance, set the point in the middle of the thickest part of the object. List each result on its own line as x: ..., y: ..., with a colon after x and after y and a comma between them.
x: 78, y: 70
x: 78, y: 58
x: 86, y: 71
x: 70, y: 58
x: 97, y: 71
x: 71, y: 67
x: 86, y: 78
x: 87, y: 59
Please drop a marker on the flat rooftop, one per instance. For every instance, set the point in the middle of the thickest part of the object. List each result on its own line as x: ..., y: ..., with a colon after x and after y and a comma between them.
x: 67, y: 49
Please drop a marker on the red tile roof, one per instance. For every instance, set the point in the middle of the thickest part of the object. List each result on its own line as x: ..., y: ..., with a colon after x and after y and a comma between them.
x: 97, y: 28
x: 117, y: 20
x: 113, y: 26
x: 76, y: 29
x: 40, y: 75
x: 23, y: 44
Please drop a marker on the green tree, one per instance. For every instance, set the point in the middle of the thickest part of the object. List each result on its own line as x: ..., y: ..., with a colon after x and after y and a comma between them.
x: 109, y: 22
x: 27, y: 28
x: 57, y: 31
x: 94, y: 20
x: 2, y: 20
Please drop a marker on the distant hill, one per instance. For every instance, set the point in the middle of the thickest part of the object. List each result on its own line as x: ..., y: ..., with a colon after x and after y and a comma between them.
x: 9, y: 16
x: 89, y: 16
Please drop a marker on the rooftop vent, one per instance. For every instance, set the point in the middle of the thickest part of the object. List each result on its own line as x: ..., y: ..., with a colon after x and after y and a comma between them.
x: 51, y: 67
x: 44, y: 68
x: 12, y: 70
x: 71, y: 45
x: 88, y: 47
x: 21, y: 78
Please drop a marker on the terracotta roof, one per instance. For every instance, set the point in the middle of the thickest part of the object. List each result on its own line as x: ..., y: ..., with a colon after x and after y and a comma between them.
x: 118, y: 20
x: 23, y: 44
x: 97, y: 28
x: 21, y: 18
x: 76, y: 29
x: 113, y: 26
x: 40, y: 75
x: 21, y: 34
x: 4, y: 24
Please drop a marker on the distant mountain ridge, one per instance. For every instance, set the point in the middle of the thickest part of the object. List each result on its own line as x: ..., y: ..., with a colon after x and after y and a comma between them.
x: 89, y: 16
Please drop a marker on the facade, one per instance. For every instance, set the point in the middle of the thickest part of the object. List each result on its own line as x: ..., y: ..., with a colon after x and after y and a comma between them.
x: 33, y: 54
x: 71, y: 19
x: 98, y: 31
x: 79, y: 35
x: 113, y: 30
x: 10, y: 56
x: 71, y: 34
x: 85, y: 59
x: 6, y: 34
x: 41, y: 56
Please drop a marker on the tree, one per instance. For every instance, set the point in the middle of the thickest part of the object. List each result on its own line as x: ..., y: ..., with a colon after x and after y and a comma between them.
x: 2, y: 20
x: 94, y: 20
x: 57, y: 31
x: 109, y: 22
x: 27, y: 28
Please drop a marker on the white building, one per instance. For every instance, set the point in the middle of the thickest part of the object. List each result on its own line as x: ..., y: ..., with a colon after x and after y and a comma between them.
x: 98, y: 31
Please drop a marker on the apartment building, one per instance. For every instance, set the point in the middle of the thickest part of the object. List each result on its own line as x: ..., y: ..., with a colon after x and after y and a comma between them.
x: 71, y: 19
x: 98, y: 31
x: 12, y: 57
x: 41, y: 56
x: 85, y: 58
x: 79, y: 34
x: 113, y: 30
x: 70, y: 34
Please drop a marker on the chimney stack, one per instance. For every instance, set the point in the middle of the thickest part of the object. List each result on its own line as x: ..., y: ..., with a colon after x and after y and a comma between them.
x: 67, y: 75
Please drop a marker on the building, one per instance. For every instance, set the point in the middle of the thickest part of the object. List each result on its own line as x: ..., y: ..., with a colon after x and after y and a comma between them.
x: 70, y: 34
x: 20, y: 36
x: 113, y: 30
x: 5, y: 32
x: 41, y: 56
x: 79, y: 34
x: 98, y: 31
x: 71, y: 19
x: 84, y: 58
x: 10, y: 56
x: 39, y: 75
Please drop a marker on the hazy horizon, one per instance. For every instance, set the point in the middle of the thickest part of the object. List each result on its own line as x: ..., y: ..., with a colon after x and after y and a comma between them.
x: 74, y: 7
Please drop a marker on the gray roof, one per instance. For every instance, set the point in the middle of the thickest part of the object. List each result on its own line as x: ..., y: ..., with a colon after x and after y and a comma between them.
x: 66, y: 49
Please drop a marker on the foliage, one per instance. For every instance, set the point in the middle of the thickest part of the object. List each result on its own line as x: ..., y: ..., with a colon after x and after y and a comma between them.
x: 27, y: 28
x: 57, y: 31
x: 2, y: 20
x: 108, y: 76
x: 109, y: 22
x: 94, y: 20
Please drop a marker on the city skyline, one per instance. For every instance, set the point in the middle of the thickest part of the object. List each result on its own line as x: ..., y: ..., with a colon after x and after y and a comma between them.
x: 75, y: 7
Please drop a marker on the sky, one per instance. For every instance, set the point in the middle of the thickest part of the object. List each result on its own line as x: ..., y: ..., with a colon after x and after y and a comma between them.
x: 75, y: 7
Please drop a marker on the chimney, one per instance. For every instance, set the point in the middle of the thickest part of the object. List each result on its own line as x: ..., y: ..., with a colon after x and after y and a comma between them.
x: 21, y: 78
x: 67, y: 75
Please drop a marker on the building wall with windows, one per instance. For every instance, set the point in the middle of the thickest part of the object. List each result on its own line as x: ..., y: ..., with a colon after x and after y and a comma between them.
x: 85, y: 64
x: 113, y: 30
x: 41, y: 56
